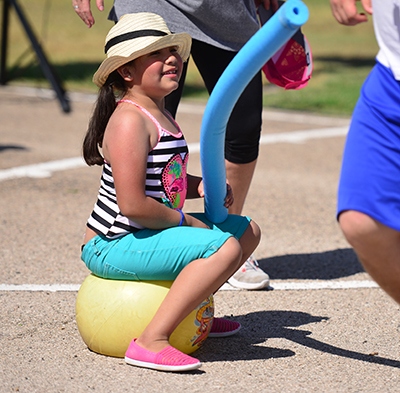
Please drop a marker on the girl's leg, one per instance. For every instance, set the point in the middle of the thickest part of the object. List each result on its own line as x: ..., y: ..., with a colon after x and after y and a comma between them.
x: 195, y: 283
x: 249, y: 240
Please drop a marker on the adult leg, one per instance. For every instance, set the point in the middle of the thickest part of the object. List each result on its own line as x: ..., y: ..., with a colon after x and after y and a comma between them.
x: 244, y: 125
x: 377, y: 247
x: 239, y: 177
x: 242, y: 142
x: 368, y: 195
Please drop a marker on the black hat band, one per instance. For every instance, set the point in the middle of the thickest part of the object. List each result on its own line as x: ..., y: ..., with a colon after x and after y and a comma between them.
x: 131, y: 35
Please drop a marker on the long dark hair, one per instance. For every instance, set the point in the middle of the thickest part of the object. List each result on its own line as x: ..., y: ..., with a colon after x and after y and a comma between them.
x: 113, y: 89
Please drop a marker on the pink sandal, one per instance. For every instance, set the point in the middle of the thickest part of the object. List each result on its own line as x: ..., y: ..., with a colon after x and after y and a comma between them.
x: 169, y: 359
x: 223, y: 328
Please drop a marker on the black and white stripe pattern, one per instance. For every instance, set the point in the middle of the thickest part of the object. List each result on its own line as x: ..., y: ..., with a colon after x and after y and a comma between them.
x: 106, y: 217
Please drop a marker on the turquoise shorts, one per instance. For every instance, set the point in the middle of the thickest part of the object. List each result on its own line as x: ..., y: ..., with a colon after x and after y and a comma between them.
x: 149, y: 254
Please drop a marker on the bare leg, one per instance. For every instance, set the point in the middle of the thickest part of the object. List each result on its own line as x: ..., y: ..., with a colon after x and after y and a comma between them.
x: 377, y: 247
x: 249, y: 240
x: 196, y: 281
x: 249, y: 275
x: 239, y: 177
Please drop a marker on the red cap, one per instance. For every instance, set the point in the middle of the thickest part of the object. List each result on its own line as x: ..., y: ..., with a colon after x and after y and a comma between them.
x: 291, y: 66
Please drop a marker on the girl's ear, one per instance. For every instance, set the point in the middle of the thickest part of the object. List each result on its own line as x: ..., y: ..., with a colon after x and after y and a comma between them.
x: 126, y: 73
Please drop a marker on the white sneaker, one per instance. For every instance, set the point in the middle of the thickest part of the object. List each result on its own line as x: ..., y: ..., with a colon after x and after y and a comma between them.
x: 250, y: 276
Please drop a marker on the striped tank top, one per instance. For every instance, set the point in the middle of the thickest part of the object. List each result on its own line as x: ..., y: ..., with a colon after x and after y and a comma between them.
x: 166, y: 182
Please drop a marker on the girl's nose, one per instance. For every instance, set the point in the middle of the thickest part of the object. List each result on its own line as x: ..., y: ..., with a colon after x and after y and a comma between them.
x: 171, y: 58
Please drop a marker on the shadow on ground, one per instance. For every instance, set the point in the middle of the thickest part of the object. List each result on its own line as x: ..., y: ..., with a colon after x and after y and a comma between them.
x: 11, y: 147
x: 354, y: 62
x: 260, y: 326
x: 323, y: 266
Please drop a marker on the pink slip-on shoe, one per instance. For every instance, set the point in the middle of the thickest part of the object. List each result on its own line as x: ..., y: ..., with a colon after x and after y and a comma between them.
x: 169, y: 359
x: 223, y: 328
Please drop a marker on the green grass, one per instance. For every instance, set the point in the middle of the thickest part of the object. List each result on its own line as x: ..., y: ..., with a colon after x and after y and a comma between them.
x: 333, y: 89
x: 343, y: 56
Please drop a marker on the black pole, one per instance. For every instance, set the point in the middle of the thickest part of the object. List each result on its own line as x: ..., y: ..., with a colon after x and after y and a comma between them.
x: 44, y: 64
x: 4, y: 37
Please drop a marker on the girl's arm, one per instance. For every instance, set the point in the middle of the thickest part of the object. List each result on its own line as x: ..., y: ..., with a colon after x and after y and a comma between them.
x: 128, y: 139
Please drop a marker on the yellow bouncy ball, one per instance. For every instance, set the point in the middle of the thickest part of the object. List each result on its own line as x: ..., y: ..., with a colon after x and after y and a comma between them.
x: 110, y: 313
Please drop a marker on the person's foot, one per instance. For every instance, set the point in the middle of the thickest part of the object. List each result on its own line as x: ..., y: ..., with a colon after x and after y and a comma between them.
x: 223, y: 328
x: 250, y: 276
x: 169, y: 359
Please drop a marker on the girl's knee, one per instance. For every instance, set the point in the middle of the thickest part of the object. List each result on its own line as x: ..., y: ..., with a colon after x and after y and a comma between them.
x: 232, y: 249
x: 256, y: 231
x: 252, y: 235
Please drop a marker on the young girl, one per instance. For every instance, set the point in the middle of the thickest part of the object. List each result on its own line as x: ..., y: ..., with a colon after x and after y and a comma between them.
x: 137, y: 230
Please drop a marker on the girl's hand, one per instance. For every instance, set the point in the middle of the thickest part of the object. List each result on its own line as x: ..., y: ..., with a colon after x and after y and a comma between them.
x: 191, y: 221
x: 200, y: 189
x: 229, y: 196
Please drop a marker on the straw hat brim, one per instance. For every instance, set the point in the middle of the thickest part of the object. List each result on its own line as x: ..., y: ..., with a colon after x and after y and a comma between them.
x: 183, y: 42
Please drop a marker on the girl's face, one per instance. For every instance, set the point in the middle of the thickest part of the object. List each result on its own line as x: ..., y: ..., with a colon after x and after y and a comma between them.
x: 157, y: 74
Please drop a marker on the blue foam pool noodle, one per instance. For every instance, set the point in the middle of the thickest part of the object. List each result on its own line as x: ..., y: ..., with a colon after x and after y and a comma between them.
x: 242, y: 69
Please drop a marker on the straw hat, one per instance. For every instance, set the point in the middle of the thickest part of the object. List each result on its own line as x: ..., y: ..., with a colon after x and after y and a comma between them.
x: 136, y: 35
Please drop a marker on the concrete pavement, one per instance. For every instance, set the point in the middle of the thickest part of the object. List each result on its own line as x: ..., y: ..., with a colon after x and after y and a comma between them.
x: 322, y: 326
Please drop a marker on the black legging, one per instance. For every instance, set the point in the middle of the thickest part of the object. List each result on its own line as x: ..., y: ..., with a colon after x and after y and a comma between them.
x: 244, y: 125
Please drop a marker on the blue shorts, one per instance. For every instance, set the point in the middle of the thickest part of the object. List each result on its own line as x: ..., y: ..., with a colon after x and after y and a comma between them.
x: 149, y: 254
x: 370, y: 175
